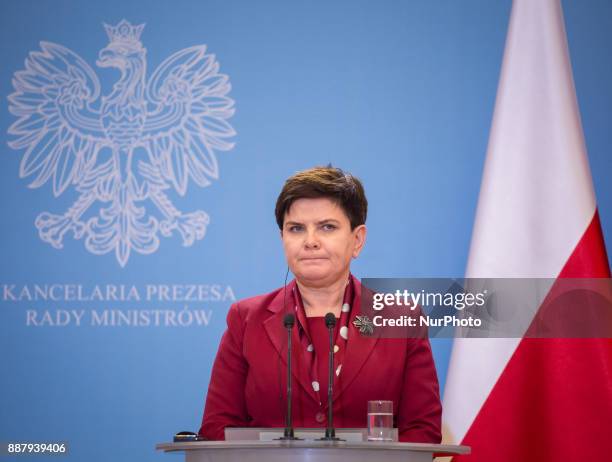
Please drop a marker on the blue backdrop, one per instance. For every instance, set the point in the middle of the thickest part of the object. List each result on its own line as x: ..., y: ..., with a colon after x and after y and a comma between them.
x: 400, y: 93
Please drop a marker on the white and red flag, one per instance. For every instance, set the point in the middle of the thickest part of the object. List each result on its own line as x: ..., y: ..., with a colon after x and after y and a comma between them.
x: 530, y: 399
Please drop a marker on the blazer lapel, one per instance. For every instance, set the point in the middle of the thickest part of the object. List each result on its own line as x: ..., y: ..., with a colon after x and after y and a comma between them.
x: 358, y: 347
x: 277, y: 333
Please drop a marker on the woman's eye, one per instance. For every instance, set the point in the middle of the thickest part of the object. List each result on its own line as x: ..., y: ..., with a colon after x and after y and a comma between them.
x: 329, y: 227
x: 295, y: 228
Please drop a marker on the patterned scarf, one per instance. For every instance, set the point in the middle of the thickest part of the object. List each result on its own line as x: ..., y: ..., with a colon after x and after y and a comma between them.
x: 339, y: 342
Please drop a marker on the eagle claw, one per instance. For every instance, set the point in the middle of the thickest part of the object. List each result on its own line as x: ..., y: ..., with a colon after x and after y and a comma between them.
x: 191, y: 226
x: 52, y: 228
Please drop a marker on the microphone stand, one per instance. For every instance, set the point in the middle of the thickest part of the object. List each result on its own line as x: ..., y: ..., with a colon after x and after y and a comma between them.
x: 330, y: 431
x: 289, y: 321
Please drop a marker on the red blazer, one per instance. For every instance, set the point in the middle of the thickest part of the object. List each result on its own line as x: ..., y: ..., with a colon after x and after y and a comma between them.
x: 248, y: 382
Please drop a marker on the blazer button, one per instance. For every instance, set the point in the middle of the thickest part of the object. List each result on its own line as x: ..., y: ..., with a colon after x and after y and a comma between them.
x: 320, y: 417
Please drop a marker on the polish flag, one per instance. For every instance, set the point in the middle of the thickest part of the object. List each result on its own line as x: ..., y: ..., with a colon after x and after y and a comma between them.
x: 534, y: 399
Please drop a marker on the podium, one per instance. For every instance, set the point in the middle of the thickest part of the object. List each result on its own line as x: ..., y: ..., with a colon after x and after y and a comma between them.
x: 310, y: 450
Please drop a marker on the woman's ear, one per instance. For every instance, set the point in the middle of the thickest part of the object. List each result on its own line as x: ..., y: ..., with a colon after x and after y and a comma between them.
x: 359, y: 234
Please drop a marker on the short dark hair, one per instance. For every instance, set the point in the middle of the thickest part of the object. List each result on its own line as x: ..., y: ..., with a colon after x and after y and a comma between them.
x: 329, y: 182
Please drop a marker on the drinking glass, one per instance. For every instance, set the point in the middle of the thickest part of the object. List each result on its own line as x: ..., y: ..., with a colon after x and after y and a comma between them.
x: 380, y: 420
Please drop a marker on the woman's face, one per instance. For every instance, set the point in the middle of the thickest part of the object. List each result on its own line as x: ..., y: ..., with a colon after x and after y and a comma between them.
x: 318, y: 241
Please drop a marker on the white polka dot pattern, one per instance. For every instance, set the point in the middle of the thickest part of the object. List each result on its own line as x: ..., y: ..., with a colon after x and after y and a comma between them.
x: 344, y: 332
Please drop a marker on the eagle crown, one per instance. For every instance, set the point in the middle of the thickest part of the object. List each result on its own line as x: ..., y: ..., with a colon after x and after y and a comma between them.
x: 124, y: 33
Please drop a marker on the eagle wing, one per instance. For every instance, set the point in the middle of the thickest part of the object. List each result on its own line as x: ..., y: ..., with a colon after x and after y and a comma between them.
x: 56, y: 126
x: 188, y: 120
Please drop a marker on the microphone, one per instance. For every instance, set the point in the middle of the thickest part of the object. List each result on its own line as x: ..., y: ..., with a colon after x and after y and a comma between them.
x: 330, y: 431
x: 289, y: 322
x: 330, y: 321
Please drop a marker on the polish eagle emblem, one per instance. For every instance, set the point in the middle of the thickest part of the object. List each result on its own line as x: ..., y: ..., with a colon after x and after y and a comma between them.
x: 122, y: 152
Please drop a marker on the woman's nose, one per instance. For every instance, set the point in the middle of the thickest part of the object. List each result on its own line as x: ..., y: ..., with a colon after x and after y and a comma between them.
x: 312, y: 242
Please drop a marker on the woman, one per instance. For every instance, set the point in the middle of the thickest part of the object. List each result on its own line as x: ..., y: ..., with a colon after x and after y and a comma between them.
x: 321, y: 214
